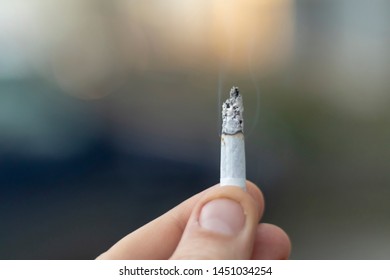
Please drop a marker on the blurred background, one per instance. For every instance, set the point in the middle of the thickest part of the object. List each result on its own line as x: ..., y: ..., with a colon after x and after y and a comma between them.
x: 109, y: 116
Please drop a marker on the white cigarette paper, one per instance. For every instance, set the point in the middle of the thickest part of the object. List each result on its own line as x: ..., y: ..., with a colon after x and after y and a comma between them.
x: 232, y: 142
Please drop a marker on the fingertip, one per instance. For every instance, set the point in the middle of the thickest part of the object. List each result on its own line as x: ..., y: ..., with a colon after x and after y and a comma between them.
x: 256, y: 194
x: 238, y: 194
x: 271, y: 243
x: 208, y: 235
x: 252, y: 189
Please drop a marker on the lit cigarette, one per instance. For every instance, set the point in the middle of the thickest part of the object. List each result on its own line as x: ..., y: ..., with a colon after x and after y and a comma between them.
x: 232, y: 141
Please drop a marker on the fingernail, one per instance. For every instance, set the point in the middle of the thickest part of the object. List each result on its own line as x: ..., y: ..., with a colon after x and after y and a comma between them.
x: 224, y: 216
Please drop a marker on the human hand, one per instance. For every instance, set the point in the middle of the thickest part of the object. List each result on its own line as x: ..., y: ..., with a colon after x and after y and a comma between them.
x: 218, y: 223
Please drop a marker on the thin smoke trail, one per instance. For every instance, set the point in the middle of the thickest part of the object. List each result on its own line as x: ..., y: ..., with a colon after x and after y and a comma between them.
x: 220, y: 94
x: 219, y: 100
x: 256, y: 86
x: 222, y: 73
x: 225, y: 64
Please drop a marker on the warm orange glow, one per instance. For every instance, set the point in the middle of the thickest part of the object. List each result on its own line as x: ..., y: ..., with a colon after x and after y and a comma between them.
x: 256, y: 32
x: 236, y: 34
x: 86, y: 47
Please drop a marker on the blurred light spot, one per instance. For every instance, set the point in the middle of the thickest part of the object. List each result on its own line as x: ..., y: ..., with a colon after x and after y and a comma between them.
x: 259, y: 31
x: 22, y: 37
x: 81, y: 56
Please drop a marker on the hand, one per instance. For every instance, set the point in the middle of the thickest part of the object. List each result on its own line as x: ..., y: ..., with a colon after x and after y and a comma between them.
x: 218, y: 223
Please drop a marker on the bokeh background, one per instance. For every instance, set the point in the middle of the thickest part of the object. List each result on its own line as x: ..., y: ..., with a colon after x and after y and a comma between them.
x: 109, y: 116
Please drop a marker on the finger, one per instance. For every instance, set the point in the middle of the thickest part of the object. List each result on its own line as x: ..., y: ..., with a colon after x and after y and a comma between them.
x: 164, y: 232
x: 271, y: 243
x: 222, y: 225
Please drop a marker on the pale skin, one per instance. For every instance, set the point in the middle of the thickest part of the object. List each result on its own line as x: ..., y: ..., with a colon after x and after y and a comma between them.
x: 192, y: 231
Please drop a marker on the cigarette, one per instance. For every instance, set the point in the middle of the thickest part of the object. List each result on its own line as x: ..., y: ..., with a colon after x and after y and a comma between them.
x: 232, y: 142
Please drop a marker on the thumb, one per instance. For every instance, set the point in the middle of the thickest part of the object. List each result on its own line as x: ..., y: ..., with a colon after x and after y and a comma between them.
x: 222, y: 225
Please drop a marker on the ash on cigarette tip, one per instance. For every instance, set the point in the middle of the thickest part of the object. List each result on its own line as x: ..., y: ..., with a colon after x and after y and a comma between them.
x: 232, y: 113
